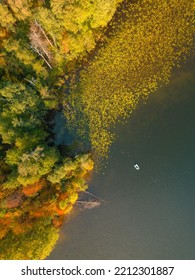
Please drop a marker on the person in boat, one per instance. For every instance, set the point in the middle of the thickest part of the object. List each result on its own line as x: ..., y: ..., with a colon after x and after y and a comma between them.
x: 136, y: 166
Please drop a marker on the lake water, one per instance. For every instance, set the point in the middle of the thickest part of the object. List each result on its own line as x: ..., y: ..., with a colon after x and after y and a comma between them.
x: 150, y: 213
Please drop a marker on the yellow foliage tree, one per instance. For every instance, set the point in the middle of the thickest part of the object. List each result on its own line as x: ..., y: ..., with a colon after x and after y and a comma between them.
x: 6, y: 18
x: 20, y: 8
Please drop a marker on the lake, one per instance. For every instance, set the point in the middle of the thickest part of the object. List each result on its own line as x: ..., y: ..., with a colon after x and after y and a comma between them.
x: 147, y: 214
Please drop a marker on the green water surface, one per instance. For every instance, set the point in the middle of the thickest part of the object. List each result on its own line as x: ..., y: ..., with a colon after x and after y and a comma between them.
x: 150, y: 213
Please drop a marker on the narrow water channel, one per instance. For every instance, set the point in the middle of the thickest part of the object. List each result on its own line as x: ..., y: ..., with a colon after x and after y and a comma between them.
x: 147, y: 214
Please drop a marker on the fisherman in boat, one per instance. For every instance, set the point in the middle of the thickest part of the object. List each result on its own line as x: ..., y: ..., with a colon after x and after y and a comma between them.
x: 136, y: 166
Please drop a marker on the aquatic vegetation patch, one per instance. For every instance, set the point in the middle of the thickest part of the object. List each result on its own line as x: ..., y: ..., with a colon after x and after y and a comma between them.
x: 138, y: 58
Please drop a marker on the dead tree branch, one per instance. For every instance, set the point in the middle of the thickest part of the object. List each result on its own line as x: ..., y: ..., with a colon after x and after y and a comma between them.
x: 43, y: 32
x: 40, y: 43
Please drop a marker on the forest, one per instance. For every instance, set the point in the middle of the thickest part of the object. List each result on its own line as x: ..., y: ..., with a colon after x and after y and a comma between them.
x: 91, y: 60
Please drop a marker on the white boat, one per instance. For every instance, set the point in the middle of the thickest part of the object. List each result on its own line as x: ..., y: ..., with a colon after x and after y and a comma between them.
x: 136, y: 166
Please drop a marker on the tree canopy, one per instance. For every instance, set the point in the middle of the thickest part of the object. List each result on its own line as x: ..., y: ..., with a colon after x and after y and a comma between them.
x: 34, y: 245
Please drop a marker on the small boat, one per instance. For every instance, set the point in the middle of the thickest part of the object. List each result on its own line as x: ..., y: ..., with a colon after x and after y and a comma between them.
x: 136, y: 166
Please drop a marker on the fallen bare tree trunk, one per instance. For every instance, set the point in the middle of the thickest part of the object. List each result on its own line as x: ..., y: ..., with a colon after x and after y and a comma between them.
x: 90, y: 202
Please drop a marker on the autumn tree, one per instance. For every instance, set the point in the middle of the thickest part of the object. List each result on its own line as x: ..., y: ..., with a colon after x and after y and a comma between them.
x: 6, y: 18
x: 20, y: 8
x: 33, y: 245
